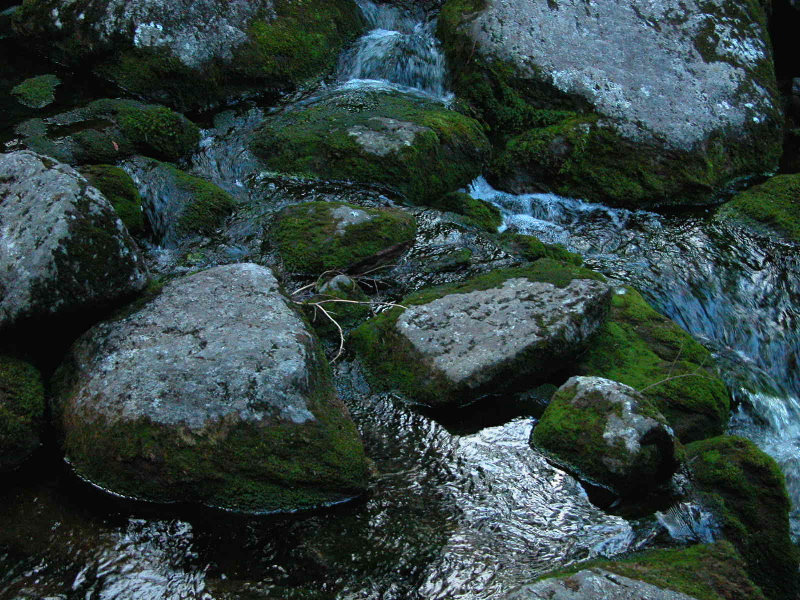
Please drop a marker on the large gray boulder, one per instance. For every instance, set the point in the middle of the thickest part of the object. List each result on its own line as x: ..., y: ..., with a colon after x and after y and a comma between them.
x: 215, y: 392
x: 594, y: 584
x: 608, y: 434
x: 453, y: 344
x: 655, y: 102
x: 62, y: 246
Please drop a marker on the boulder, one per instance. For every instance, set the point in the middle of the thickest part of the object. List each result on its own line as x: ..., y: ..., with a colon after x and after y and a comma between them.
x: 315, y: 237
x: 772, y: 207
x: 215, y: 392
x: 630, y: 102
x: 413, y: 146
x: 21, y: 411
x: 746, y: 491
x: 452, y: 344
x: 62, y: 247
x: 194, y: 53
x: 120, y: 190
x: 642, y: 348
x: 609, y: 434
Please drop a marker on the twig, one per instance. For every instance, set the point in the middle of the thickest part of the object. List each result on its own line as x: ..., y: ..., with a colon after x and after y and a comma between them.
x: 339, y: 327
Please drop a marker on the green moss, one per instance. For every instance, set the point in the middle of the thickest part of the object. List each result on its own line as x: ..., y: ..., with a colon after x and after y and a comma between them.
x: 647, y: 351
x: 166, y: 133
x: 746, y: 489
x: 532, y: 248
x: 774, y: 204
x: 209, y: 206
x: 21, y: 410
x: 308, y: 241
x: 705, y: 572
x: 347, y: 314
x: 120, y: 190
x: 37, y: 92
x: 447, y: 152
x: 392, y: 361
x: 477, y: 212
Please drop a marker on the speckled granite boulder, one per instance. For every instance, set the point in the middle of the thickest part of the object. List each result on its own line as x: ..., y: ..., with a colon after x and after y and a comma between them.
x: 608, y: 434
x: 215, y: 392
x: 628, y: 101
x: 62, y: 246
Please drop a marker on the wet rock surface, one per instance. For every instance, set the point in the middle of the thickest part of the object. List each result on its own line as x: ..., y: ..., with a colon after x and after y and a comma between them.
x: 62, y: 246
x: 214, y: 392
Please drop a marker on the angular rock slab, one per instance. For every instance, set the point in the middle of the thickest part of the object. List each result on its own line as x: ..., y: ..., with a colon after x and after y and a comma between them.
x: 609, y: 434
x: 62, y: 246
x: 215, y: 392
x: 593, y: 584
x: 482, y: 338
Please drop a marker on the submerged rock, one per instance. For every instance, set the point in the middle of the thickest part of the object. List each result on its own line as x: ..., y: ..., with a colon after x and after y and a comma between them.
x: 21, y: 411
x: 412, y: 146
x: 455, y: 343
x: 629, y: 103
x: 194, y: 54
x: 216, y: 393
x: 609, y: 434
x: 62, y: 247
x: 773, y: 206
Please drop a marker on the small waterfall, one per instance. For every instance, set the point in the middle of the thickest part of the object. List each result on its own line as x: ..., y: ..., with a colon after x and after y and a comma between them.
x: 735, y: 291
x: 400, y: 50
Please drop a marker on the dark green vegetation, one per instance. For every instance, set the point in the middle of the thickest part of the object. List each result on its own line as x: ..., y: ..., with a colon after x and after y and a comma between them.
x: 119, y: 189
x: 647, y: 351
x: 163, y: 132
x: 746, y: 490
x: 21, y: 411
x: 415, y: 147
x: 346, y: 314
x: 209, y: 205
x: 546, y: 140
x: 37, y: 92
x: 532, y: 248
x: 477, y: 212
x: 241, y: 466
x: 774, y: 204
x: 392, y: 361
x: 571, y: 433
x: 706, y: 571
x: 311, y: 239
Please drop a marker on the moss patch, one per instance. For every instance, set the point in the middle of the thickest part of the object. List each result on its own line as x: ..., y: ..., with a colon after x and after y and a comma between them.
x: 164, y: 132
x: 21, y: 410
x: 532, y: 248
x: 37, y: 92
x: 746, y: 489
x: 119, y: 189
x: 774, y: 204
x: 209, y: 206
x: 434, y: 152
x: 309, y: 240
x: 477, y: 212
x: 647, y: 351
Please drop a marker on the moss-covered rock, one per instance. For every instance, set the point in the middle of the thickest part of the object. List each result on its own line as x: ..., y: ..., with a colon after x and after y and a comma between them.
x: 37, y: 92
x: 531, y: 248
x: 316, y: 237
x: 746, y: 490
x: 477, y: 212
x: 344, y: 302
x: 774, y: 205
x: 647, y: 351
x: 120, y: 190
x: 21, y: 411
x: 106, y: 131
x: 407, y: 351
x: 413, y: 146
x: 608, y: 434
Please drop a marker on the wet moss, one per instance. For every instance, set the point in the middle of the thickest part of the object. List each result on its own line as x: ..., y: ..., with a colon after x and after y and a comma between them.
x: 21, y: 410
x: 774, y: 205
x: 532, y: 248
x: 647, y: 351
x: 747, y: 491
x: 166, y: 133
x: 209, y: 206
x: 119, y: 189
x: 37, y: 92
x: 438, y: 151
x: 309, y: 240
x: 477, y: 212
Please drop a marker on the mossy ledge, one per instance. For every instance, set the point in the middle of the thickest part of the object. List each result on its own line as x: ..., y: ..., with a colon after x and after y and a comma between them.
x: 774, y: 205
x: 413, y: 146
x: 649, y: 352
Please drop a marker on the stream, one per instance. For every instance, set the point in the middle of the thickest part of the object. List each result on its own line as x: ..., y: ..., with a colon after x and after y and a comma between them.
x: 467, y: 516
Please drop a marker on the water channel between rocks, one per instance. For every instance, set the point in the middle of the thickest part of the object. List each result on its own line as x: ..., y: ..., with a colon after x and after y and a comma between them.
x: 449, y: 516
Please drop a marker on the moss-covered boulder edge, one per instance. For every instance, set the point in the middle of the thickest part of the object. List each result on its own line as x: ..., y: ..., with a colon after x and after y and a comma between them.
x: 413, y: 147
x: 244, y: 48
x: 772, y: 207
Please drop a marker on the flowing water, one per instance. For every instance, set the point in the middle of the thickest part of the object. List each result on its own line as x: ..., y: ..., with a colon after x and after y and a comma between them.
x: 449, y: 516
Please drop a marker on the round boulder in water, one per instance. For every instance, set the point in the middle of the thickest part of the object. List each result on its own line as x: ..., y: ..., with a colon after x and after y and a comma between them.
x: 62, y: 247
x: 215, y: 392
x: 609, y: 434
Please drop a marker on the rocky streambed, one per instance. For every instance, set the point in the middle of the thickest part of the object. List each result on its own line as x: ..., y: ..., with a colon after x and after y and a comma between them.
x: 296, y: 301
